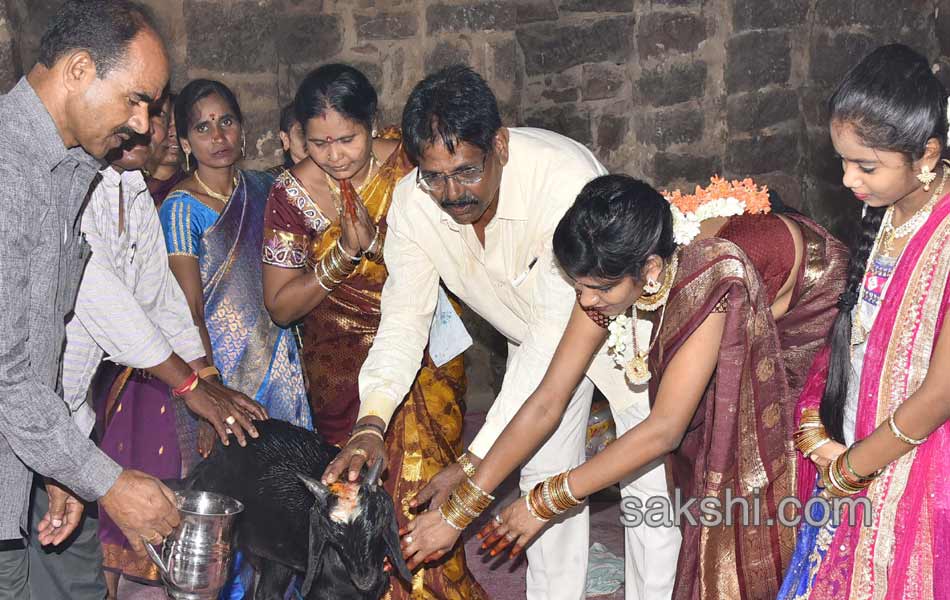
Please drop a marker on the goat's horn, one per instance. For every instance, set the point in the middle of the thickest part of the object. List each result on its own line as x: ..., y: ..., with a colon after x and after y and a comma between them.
x: 315, y: 486
x: 372, y: 475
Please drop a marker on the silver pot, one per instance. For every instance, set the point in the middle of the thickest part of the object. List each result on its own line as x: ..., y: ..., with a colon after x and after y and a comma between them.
x: 195, y: 559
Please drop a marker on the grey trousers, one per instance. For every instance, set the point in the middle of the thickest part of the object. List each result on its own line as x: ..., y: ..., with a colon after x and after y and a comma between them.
x: 71, y: 571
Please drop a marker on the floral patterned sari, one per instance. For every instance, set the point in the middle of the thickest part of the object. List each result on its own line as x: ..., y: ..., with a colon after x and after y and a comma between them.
x: 425, y: 433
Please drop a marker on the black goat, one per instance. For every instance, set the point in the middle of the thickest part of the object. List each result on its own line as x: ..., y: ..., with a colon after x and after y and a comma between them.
x: 336, y: 536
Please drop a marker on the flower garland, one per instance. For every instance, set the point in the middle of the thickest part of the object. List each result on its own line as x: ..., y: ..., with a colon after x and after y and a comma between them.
x: 721, y: 198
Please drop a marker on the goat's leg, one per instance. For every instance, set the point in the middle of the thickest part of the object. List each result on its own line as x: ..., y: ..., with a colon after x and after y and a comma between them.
x: 273, y: 580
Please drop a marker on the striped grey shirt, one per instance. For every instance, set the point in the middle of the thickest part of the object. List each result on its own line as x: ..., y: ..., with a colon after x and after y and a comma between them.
x: 42, y: 189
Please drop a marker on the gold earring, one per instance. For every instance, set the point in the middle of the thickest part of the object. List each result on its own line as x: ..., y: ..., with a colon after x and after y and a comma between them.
x: 652, y: 300
x: 652, y: 286
x: 243, y: 145
x: 187, y: 164
x: 926, y: 177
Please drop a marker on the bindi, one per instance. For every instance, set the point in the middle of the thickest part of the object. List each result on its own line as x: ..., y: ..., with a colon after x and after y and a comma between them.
x: 214, y: 116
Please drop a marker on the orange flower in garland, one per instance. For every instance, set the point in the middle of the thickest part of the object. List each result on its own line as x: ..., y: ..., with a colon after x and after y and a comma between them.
x: 756, y: 198
x: 721, y: 198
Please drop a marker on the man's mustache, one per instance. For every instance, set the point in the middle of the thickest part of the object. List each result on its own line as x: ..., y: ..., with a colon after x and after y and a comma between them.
x: 467, y: 199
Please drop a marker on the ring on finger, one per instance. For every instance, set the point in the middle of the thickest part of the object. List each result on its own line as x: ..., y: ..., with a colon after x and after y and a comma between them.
x: 408, y: 539
x: 359, y: 452
x: 510, y: 537
x: 498, y: 519
x: 230, y: 420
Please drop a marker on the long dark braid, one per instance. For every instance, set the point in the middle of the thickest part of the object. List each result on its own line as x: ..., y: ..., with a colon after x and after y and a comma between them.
x: 839, y: 367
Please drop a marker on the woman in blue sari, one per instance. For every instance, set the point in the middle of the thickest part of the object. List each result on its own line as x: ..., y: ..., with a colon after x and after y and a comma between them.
x: 213, y: 225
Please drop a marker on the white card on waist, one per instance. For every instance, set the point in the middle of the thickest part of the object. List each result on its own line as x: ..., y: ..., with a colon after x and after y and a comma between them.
x: 447, y: 335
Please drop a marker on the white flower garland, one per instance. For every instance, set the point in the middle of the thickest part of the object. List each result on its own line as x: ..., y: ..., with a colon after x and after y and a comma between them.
x: 686, y: 225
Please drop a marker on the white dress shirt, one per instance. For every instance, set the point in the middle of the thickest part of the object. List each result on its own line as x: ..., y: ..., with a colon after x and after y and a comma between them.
x: 513, y: 282
x: 129, y: 305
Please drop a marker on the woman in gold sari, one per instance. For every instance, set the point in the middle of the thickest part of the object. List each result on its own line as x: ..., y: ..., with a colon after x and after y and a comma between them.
x: 323, y: 267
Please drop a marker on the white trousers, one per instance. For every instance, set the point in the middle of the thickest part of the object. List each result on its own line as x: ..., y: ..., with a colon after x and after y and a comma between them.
x: 557, y: 559
x: 650, y: 552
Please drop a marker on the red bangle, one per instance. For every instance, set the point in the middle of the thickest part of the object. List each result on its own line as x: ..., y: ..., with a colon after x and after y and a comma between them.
x: 189, y: 385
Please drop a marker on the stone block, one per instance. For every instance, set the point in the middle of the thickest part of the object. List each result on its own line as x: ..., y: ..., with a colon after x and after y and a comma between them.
x: 569, y: 120
x: 550, y: 48
x: 757, y: 58
x: 561, y: 96
x: 447, y: 53
x: 760, y: 109
x: 669, y: 168
x: 308, y: 38
x: 478, y: 16
x: 942, y: 26
x: 881, y: 15
x: 611, y: 133
x: 834, y: 55
x: 677, y: 83
x: 669, y: 126
x: 761, y: 154
x: 239, y: 38
x: 600, y: 6
x: 387, y: 26
x: 820, y: 159
x: 532, y: 11
x: 767, y: 14
x: 814, y: 104
x: 602, y: 81
x: 833, y: 207
x: 661, y: 33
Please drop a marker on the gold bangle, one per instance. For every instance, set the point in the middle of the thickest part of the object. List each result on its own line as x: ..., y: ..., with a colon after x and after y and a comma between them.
x: 466, y: 463
x: 367, y: 431
x: 207, y: 372
x: 901, y: 435
x: 352, y: 259
x: 375, y: 250
x: 527, y: 501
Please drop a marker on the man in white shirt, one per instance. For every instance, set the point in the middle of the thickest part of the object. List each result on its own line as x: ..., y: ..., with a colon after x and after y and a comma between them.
x: 479, y: 214
x: 131, y: 308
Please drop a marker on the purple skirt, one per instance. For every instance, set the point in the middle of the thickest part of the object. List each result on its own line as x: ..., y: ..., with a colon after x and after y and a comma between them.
x: 139, y: 432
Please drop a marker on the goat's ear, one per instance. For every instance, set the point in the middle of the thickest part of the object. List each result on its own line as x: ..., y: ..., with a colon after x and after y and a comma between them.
x: 317, y: 542
x: 315, y: 486
x: 394, y: 552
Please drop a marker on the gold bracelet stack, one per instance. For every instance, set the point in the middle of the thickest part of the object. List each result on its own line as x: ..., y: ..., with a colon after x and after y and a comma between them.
x: 901, y: 435
x: 335, y: 267
x: 551, y: 497
x: 811, y: 434
x: 840, y: 484
x: 375, y: 250
x: 465, y: 504
x: 466, y: 463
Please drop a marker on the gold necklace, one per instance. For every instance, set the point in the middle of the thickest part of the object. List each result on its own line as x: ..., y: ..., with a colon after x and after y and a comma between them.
x: 217, y: 196
x: 884, y: 240
x: 638, y: 369
x: 335, y: 187
x: 889, y: 233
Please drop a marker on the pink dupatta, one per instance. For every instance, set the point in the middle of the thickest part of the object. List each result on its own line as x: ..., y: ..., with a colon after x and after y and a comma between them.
x: 897, y: 556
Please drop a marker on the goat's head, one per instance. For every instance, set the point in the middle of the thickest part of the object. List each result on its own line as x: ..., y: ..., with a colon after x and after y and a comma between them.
x: 358, y: 522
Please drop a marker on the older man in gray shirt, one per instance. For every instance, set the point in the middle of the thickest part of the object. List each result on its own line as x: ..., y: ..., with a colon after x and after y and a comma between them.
x: 101, y: 63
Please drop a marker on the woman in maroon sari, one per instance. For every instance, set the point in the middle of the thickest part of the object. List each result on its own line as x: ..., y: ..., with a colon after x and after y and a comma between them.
x: 740, y: 302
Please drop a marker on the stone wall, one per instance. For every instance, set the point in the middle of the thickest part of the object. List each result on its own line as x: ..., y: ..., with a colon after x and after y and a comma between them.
x: 669, y: 90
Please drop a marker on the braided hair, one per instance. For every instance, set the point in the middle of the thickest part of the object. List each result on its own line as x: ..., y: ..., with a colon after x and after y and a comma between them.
x: 894, y: 103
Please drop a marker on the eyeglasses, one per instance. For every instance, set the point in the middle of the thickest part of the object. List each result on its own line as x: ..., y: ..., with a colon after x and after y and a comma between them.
x: 435, y: 183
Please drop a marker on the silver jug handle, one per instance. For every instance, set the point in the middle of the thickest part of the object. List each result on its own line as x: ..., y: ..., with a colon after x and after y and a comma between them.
x: 157, y: 559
